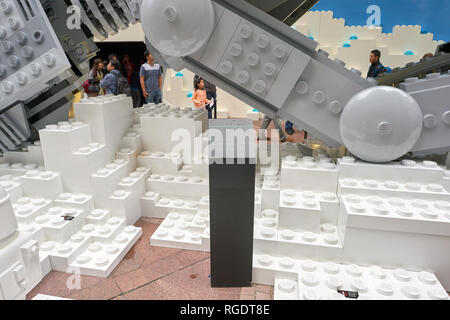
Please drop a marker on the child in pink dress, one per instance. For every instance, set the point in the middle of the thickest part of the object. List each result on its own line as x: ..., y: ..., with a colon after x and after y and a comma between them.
x: 199, y: 98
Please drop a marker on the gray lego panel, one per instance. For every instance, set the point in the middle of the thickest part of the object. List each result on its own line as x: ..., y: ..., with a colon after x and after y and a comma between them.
x: 31, y: 54
x: 433, y: 96
x: 280, y: 72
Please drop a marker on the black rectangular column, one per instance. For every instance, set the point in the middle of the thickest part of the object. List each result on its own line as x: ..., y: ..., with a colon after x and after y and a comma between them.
x: 232, y: 202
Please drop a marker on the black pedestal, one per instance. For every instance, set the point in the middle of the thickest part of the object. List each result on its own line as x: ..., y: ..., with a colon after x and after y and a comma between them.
x: 232, y: 202
x: 232, y: 194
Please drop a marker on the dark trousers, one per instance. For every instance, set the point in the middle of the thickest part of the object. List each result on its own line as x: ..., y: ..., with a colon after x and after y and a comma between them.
x: 138, y: 98
x: 212, y: 95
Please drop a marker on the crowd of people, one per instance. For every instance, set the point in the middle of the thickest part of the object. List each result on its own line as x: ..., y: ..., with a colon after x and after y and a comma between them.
x: 143, y: 82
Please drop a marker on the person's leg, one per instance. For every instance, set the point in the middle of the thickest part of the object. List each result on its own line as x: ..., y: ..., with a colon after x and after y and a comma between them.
x: 264, y: 125
x: 158, y: 97
x: 279, y: 127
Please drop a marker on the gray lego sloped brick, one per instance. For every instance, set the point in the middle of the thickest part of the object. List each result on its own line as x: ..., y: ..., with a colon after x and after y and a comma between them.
x: 31, y: 54
x: 434, y: 102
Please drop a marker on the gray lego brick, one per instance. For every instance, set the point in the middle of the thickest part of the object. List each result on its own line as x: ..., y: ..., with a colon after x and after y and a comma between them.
x: 30, y: 53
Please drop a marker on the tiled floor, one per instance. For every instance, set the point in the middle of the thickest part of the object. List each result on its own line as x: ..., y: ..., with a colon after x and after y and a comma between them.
x: 153, y: 273
x: 150, y: 273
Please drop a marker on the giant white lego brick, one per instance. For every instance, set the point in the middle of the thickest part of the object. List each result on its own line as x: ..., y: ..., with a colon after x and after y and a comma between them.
x: 160, y: 162
x: 60, y: 141
x: 307, y: 175
x: 149, y: 206
x: 56, y: 224
x: 183, y: 231
x: 158, y: 127
x: 166, y: 205
x: 42, y: 184
x: 100, y: 258
x: 330, y: 206
x: 285, y: 289
x: 390, y: 188
x: 109, y: 119
x: 9, y: 222
x: 132, y: 141
x: 393, y: 249
x: 271, y: 193
x: 104, y: 181
x: 27, y: 209
x: 258, y: 203
x: 98, y: 217
x: 299, y: 211
x: 135, y: 182
x: 103, y: 232
x: 126, y: 205
x: 12, y: 186
x: 129, y: 156
x: 446, y: 181
x: 46, y: 266
x: 90, y: 158
x: 403, y: 172
x: 324, y: 245
x: 84, y: 202
x: 16, y: 169
x: 169, y: 185
x: 398, y: 215
x: 63, y: 254
x: 29, y: 154
x: 266, y: 267
x: 322, y: 280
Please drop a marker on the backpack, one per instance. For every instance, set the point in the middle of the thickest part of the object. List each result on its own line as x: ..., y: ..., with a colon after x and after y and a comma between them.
x: 122, y: 86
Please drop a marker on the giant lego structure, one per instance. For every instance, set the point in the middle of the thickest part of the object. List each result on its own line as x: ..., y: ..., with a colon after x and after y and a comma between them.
x: 69, y: 201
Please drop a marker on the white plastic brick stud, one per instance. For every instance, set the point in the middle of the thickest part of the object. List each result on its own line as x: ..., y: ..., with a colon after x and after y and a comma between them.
x: 132, y: 141
x: 285, y: 289
x: 44, y: 184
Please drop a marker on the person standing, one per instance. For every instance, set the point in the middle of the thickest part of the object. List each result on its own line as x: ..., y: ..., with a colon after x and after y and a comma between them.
x: 376, y: 68
x: 265, y: 124
x: 94, y: 79
x: 200, y: 97
x: 128, y: 67
x: 211, y: 94
x: 109, y: 83
x: 151, y: 80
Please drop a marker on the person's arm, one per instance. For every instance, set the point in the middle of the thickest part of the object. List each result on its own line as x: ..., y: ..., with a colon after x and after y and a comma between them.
x: 160, y: 82
x: 105, y: 83
x: 144, y: 91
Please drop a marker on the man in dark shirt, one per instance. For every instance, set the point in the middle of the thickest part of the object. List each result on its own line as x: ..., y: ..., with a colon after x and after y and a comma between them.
x: 376, y: 68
